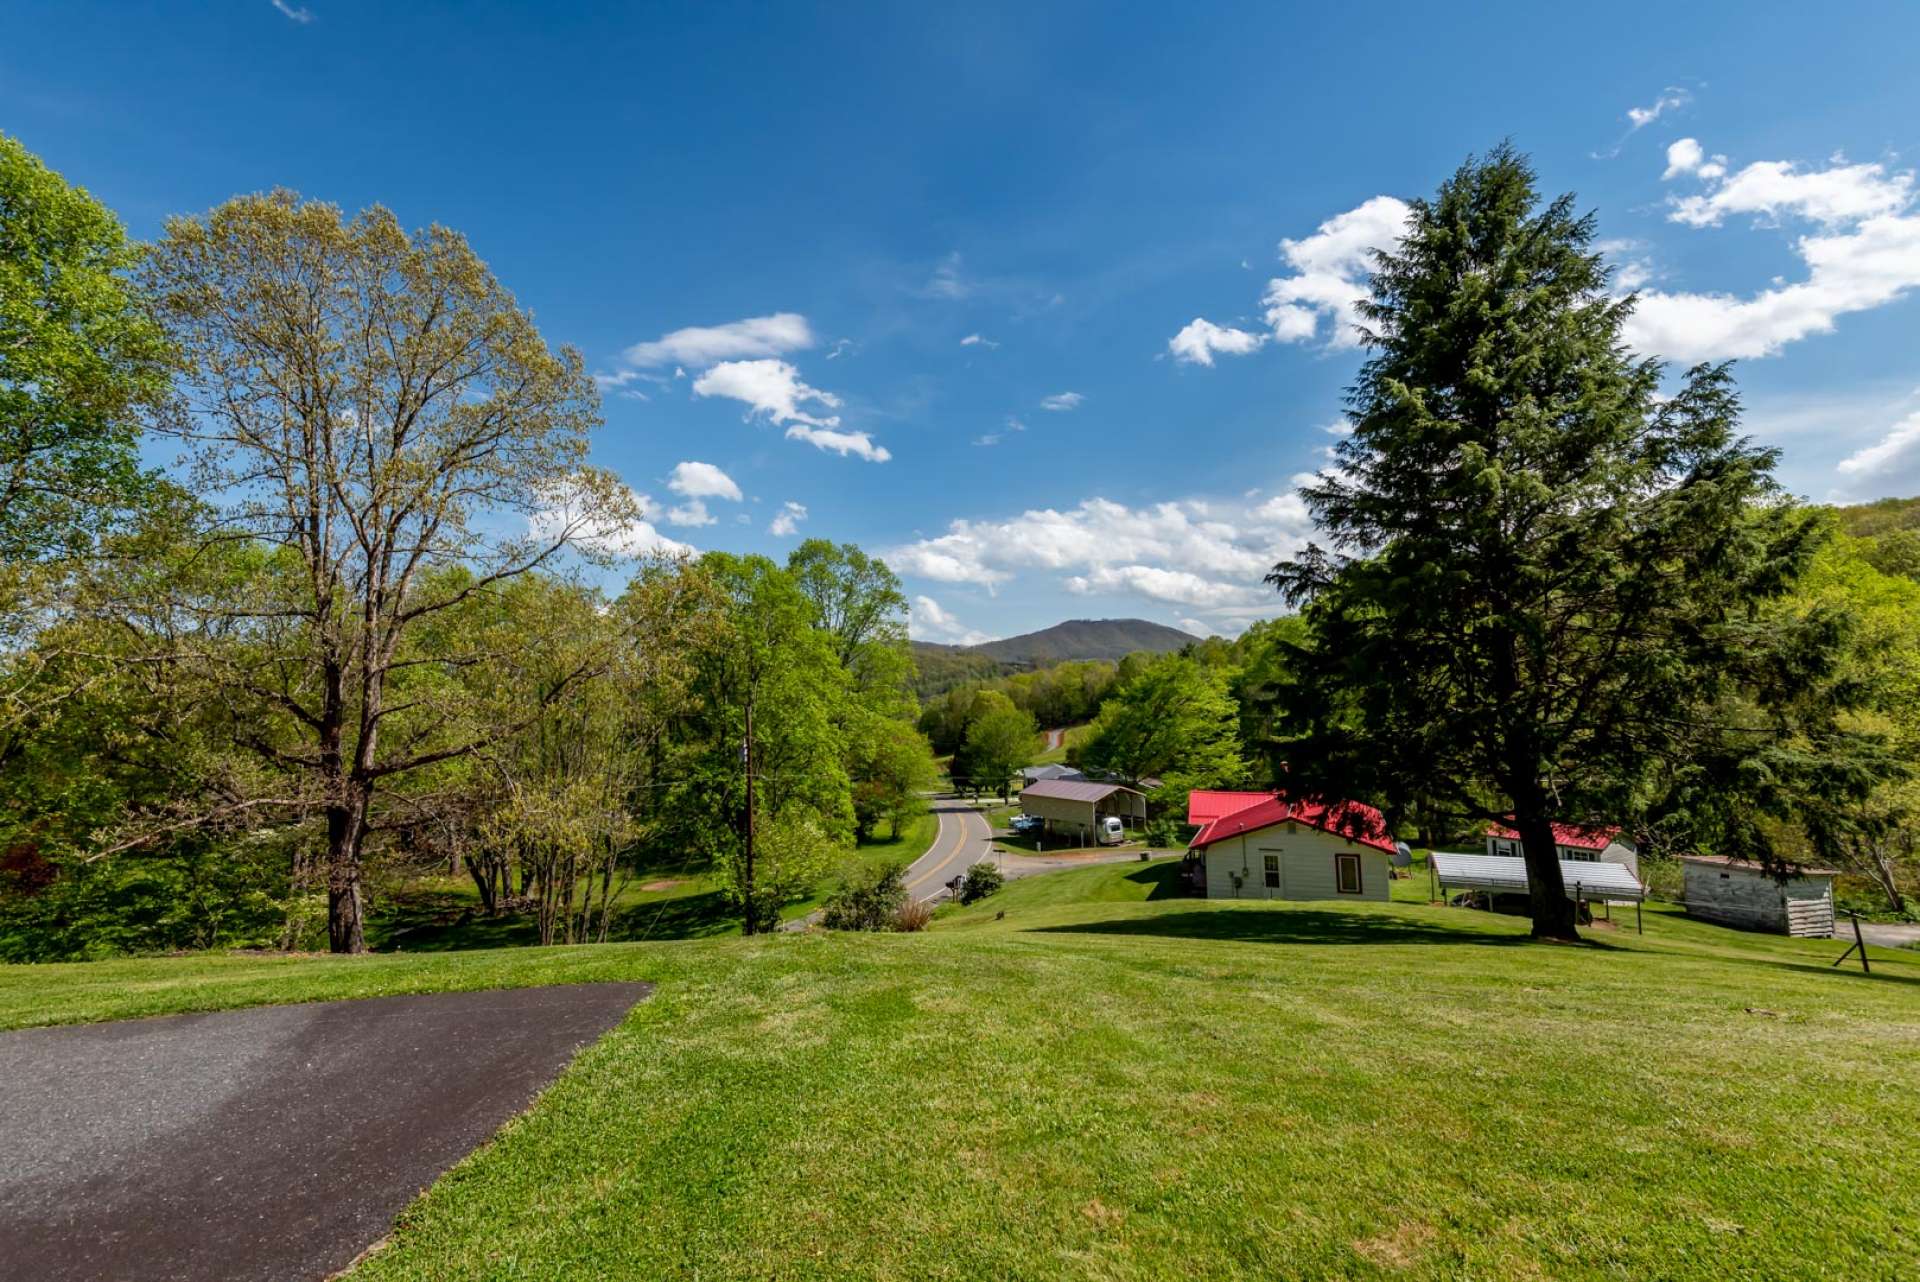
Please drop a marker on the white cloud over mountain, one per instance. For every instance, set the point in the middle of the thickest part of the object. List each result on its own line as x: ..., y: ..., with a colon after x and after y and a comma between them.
x: 1207, y: 555
x: 928, y: 620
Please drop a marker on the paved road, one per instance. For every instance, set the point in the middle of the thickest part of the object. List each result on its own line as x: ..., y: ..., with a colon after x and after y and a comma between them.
x: 964, y: 839
x: 277, y: 1142
x: 1884, y: 934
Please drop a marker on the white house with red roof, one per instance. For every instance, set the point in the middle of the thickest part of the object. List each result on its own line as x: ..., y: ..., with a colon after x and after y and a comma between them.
x: 1260, y: 845
x: 1574, y: 843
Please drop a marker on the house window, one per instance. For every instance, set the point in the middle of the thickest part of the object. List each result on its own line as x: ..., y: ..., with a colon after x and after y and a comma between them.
x: 1505, y: 848
x: 1346, y: 872
x: 1273, y: 872
x: 1580, y: 856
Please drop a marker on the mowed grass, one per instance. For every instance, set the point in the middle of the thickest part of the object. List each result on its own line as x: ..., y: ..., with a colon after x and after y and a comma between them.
x: 1114, y: 1082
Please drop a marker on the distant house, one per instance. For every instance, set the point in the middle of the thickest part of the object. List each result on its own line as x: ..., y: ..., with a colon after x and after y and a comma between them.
x: 1075, y: 807
x: 1573, y: 843
x: 1743, y: 894
x: 1272, y: 848
x: 1041, y: 774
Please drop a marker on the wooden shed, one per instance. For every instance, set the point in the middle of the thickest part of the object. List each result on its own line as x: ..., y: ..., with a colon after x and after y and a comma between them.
x: 1744, y: 894
x: 1074, y: 807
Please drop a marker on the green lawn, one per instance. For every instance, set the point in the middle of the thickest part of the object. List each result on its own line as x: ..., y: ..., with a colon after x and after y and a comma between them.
x: 1115, y: 1082
x: 666, y: 902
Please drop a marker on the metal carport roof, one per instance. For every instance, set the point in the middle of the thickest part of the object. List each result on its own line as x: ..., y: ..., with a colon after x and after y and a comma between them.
x: 1589, y: 879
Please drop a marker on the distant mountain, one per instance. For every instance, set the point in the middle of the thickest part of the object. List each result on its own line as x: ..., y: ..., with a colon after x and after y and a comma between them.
x: 1074, y: 639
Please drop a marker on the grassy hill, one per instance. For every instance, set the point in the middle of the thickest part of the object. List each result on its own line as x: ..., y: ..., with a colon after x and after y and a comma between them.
x: 1114, y: 1082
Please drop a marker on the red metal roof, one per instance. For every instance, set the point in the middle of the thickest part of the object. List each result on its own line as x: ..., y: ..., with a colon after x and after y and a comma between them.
x: 1204, y: 805
x: 1349, y: 819
x: 1572, y: 836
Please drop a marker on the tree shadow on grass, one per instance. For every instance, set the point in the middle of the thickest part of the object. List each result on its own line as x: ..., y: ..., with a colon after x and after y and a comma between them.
x: 1291, y: 926
x: 1163, y: 880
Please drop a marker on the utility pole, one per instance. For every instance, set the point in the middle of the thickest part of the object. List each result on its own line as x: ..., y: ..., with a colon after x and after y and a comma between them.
x: 746, y: 764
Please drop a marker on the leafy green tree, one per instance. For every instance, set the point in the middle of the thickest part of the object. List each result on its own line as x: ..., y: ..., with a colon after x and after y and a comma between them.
x: 892, y: 767
x: 1000, y: 740
x: 81, y: 360
x: 761, y: 660
x: 1176, y: 718
x: 1551, y: 569
x: 857, y: 601
x: 374, y: 411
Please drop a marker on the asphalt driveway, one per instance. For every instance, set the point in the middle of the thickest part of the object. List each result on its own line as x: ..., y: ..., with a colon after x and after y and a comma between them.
x: 278, y: 1142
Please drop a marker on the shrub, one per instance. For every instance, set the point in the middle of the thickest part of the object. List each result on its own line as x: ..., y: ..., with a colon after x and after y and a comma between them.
x: 912, y: 915
x: 866, y: 902
x: 1163, y: 833
x: 982, y: 880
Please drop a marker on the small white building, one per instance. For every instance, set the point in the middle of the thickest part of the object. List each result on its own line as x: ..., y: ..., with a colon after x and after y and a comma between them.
x: 1573, y: 844
x: 1745, y: 894
x: 1275, y: 849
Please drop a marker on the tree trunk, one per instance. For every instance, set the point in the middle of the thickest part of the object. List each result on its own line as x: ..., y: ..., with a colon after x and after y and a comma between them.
x: 1552, y: 910
x: 346, y: 927
x: 1883, y: 870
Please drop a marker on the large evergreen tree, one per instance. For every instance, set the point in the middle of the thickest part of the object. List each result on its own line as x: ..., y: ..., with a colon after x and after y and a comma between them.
x: 1544, y: 572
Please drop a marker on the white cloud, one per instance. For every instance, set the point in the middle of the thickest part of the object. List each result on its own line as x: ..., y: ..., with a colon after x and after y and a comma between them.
x: 703, y: 481
x: 858, y: 444
x: 1196, y: 627
x: 700, y: 345
x: 787, y: 520
x: 1158, y: 583
x: 768, y: 387
x: 1197, y: 343
x: 692, y: 512
x: 928, y: 621
x: 975, y: 340
x: 634, y: 536
x: 1837, y: 196
x: 1900, y: 447
x: 1866, y: 255
x: 1330, y: 271
x: 1685, y: 156
x: 1210, y: 555
x: 946, y: 281
x: 1670, y: 99
x: 297, y: 13
x: 1062, y: 401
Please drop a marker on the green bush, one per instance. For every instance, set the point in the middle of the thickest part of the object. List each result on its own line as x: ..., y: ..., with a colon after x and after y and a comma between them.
x: 1164, y: 833
x: 869, y: 902
x: 982, y: 880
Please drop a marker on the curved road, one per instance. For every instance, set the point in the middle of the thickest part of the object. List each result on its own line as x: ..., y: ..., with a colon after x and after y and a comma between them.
x: 965, y: 838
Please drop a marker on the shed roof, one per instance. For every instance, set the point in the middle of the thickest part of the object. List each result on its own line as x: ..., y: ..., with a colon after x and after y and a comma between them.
x: 1572, y: 836
x: 1075, y: 789
x: 1051, y: 771
x: 1597, y: 879
x: 1204, y: 805
x: 1747, y: 865
x: 1348, y: 819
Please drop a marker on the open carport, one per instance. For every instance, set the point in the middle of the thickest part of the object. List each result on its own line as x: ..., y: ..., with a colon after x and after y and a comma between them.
x: 1075, y: 807
x: 1587, y: 881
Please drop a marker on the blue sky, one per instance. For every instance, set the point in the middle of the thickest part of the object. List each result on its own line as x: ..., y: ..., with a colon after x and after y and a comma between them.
x: 1042, y: 301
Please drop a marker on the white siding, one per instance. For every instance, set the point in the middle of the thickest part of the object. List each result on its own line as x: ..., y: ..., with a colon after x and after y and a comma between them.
x: 1305, y: 858
x: 1616, y: 852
